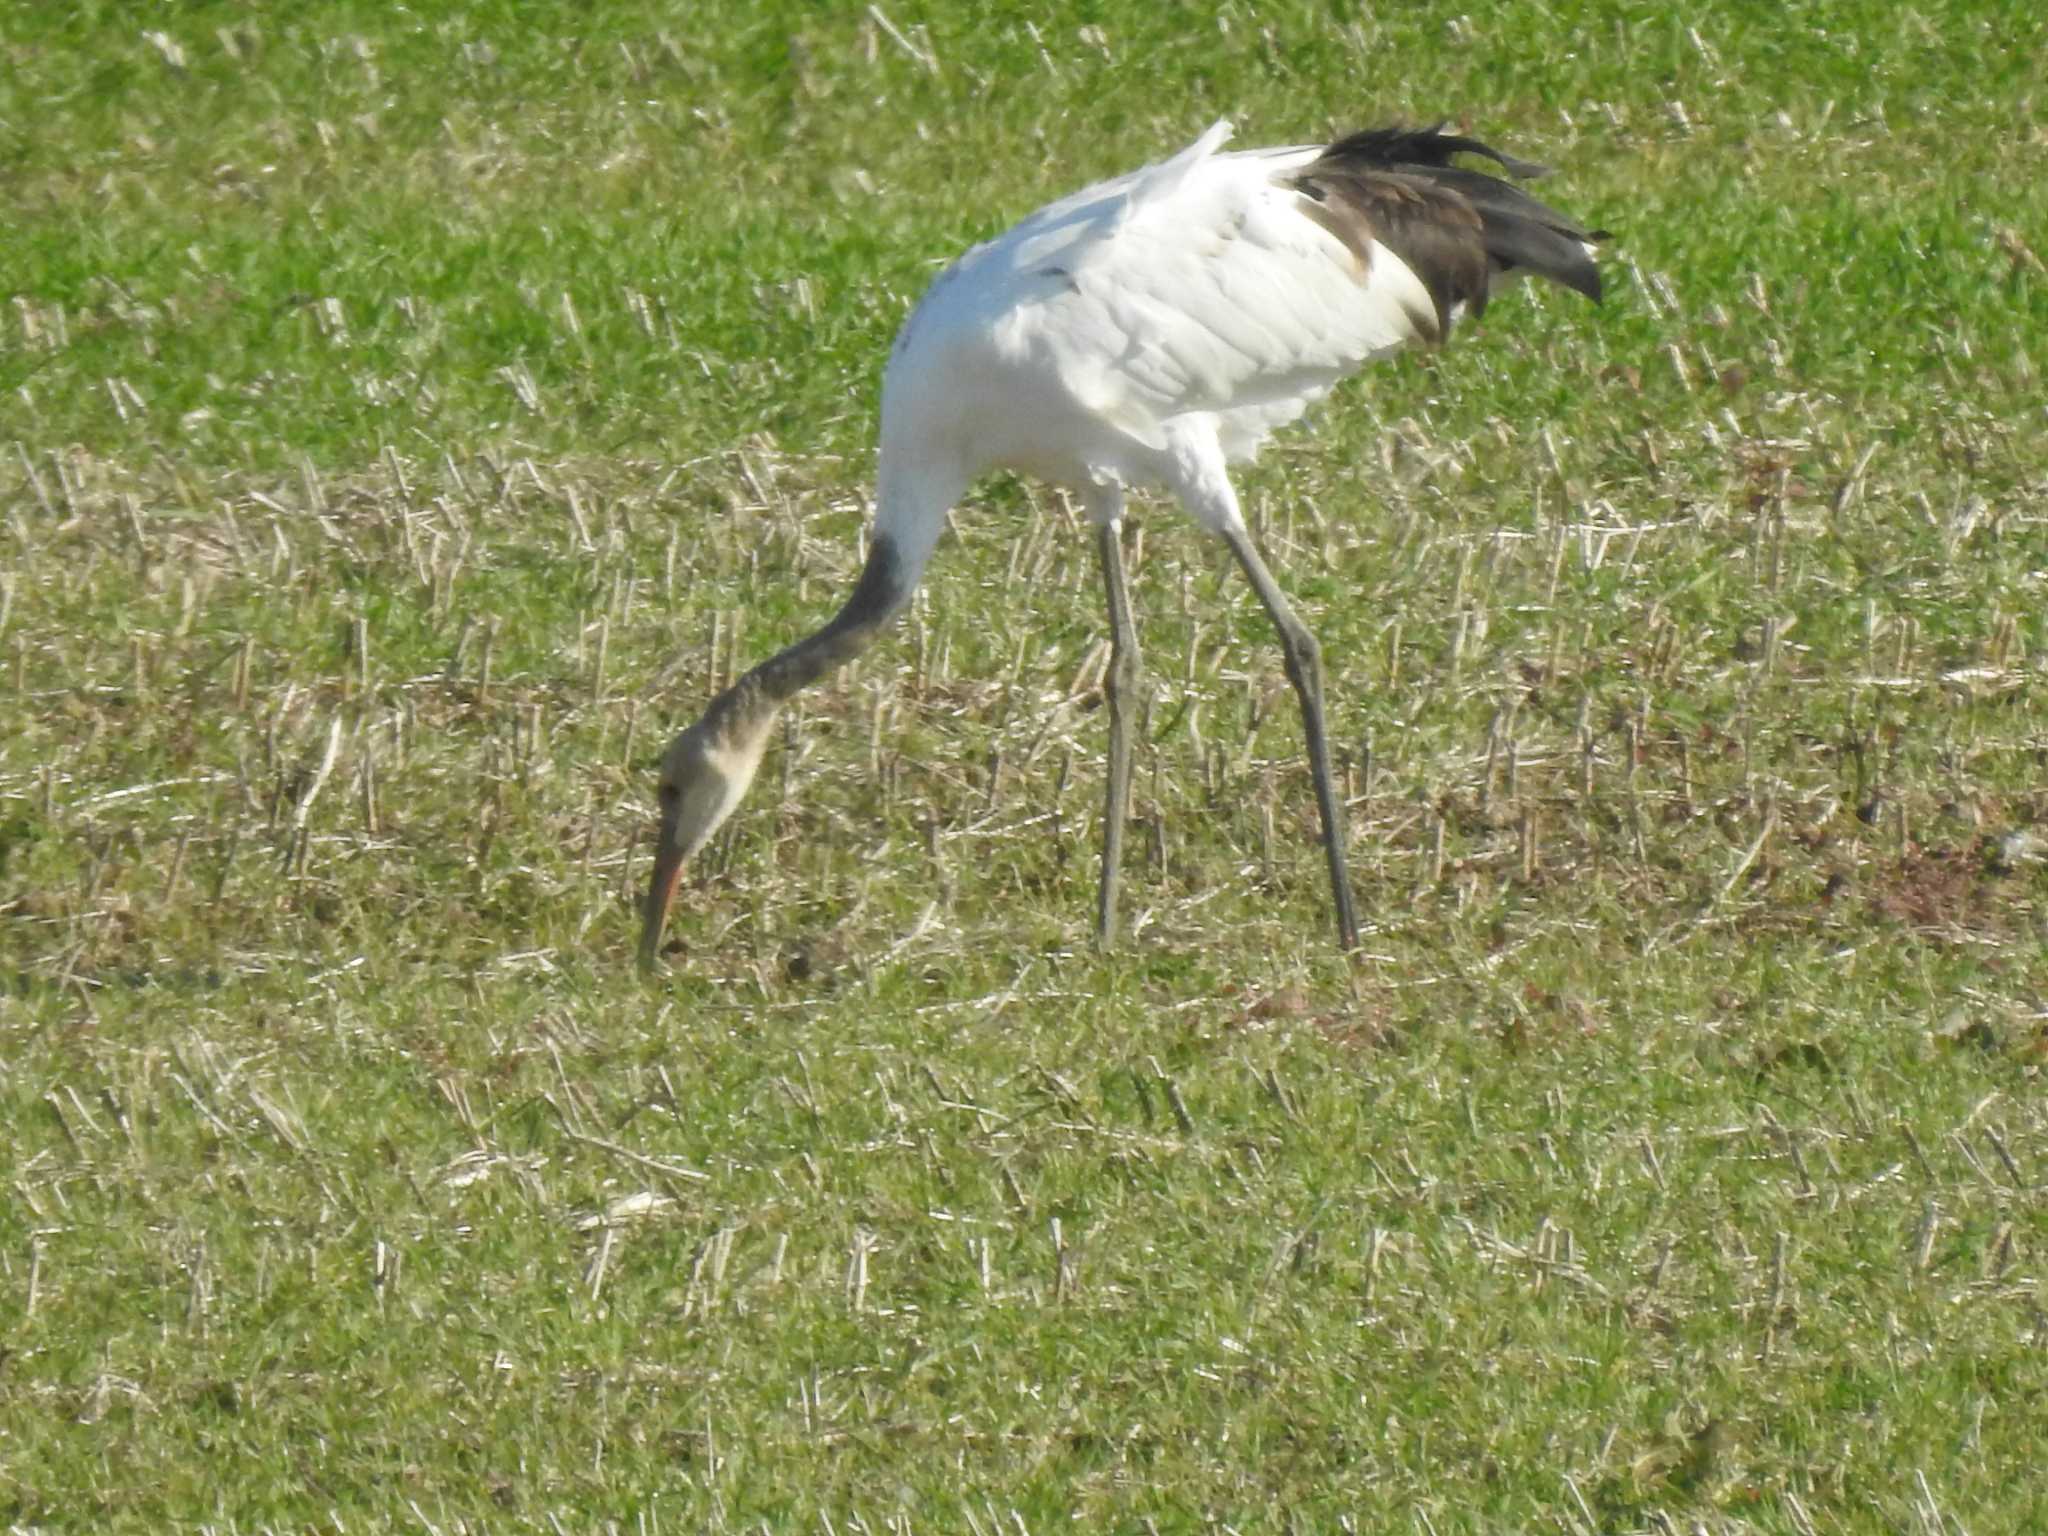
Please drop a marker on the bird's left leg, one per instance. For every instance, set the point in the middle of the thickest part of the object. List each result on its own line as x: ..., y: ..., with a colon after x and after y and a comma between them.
x: 1305, y: 671
x: 1120, y: 689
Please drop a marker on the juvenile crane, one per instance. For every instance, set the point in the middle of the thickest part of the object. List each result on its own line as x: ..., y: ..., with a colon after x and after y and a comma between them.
x: 1149, y: 330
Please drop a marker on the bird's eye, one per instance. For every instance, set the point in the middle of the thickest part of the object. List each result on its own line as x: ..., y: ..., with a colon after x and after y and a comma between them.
x: 667, y: 794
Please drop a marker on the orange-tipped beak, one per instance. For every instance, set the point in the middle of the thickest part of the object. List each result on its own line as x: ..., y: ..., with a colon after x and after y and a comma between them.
x: 661, y: 894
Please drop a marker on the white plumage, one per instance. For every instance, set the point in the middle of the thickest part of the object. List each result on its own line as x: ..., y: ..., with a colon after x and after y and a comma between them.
x: 1146, y: 330
x: 1150, y: 329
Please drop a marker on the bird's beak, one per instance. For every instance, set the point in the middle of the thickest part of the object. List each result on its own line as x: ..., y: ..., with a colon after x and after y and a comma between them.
x: 661, y: 894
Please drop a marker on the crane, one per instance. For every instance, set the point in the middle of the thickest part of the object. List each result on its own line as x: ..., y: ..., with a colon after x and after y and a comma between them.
x: 1152, y: 329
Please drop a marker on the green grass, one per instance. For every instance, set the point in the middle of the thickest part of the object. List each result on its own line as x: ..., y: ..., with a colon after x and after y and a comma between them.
x: 407, y: 414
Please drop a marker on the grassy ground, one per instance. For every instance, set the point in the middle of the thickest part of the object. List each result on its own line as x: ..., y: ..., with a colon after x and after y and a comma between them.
x: 406, y: 417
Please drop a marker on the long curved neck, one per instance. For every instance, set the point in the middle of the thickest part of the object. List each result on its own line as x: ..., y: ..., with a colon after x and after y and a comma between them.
x: 910, y: 512
x: 708, y: 767
x: 882, y: 592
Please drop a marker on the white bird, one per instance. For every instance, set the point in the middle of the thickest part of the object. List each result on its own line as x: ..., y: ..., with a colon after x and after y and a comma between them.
x: 1149, y: 330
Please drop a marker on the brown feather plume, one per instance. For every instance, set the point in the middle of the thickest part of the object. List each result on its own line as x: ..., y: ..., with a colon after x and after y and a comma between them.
x: 1456, y: 228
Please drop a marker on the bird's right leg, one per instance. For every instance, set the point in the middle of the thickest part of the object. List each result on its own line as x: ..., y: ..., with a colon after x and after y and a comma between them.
x: 1198, y: 476
x: 1120, y: 689
x: 1305, y: 671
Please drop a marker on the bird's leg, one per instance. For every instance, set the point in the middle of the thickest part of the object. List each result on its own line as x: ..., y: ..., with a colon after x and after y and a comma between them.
x: 1305, y: 671
x: 1120, y: 687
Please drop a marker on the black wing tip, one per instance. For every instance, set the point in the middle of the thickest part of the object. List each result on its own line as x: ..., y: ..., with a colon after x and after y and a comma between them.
x: 1575, y: 270
x: 1515, y: 232
x: 1593, y: 288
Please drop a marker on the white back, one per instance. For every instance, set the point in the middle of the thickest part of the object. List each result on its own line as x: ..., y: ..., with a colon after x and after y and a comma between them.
x: 1192, y: 297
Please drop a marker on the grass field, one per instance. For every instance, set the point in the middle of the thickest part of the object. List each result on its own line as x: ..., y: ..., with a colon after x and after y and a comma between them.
x: 409, y: 415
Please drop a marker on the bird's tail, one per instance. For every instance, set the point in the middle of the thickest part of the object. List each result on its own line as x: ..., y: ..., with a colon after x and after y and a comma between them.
x: 1460, y: 229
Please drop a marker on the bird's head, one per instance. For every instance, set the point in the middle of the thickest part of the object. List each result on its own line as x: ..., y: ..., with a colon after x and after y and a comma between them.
x: 704, y: 774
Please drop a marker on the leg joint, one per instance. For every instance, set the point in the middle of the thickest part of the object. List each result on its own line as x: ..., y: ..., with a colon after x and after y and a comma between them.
x: 1304, y: 657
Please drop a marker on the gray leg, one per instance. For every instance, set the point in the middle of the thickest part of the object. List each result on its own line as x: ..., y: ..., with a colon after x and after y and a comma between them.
x: 1305, y: 671
x: 1120, y: 688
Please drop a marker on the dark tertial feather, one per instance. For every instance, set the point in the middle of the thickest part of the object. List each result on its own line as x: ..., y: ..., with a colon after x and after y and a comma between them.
x: 1454, y: 227
x: 1424, y: 146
